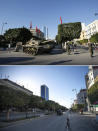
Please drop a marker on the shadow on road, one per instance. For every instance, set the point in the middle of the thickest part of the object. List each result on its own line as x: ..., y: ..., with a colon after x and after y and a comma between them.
x: 59, y: 62
x: 8, y: 60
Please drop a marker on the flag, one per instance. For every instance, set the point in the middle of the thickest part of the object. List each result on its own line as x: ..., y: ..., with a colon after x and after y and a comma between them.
x: 30, y: 25
x: 60, y: 19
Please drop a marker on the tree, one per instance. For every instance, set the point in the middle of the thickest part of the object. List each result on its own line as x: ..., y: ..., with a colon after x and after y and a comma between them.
x: 3, y: 42
x: 18, y: 35
x: 25, y: 35
x: 93, y: 93
x: 12, y: 98
x: 68, y: 31
x: 78, y: 107
x: 83, y: 41
x: 94, y: 38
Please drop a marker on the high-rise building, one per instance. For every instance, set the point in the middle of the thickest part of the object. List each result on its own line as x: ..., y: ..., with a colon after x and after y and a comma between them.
x: 45, y: 92
x: 45, y: 31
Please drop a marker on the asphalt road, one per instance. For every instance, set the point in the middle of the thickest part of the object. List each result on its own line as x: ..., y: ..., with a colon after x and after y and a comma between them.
x: 80, y: 56
x: 55, y: 123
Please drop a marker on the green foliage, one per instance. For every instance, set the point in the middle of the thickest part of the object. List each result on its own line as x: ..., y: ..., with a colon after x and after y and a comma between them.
x: 68, y: 31
x: 83, y: 41
x: 10, y: 97
x: 94, y: 38
x: 3, y: 42
x: 78, y: 107
x: 93, y: 93
x: 18, y: 35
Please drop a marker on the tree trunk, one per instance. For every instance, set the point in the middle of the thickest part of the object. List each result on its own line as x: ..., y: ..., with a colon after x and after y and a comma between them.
x: 8, y: 114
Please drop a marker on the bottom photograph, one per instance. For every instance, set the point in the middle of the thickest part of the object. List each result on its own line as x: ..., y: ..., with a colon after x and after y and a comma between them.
x: 49, y: 98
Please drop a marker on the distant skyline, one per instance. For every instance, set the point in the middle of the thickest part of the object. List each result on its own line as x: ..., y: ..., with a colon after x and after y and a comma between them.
x: 19, y: 13
x: 61, y: 80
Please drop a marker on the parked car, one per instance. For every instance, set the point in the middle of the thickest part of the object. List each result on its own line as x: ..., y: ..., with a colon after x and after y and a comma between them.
x: 59, y: 112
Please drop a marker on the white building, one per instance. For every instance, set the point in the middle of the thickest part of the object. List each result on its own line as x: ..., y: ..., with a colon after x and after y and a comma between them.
x: 91, y: 29
x: 81, y: 96
x: 90, y: 77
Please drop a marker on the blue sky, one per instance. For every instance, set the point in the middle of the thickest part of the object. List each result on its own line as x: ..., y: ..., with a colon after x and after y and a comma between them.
x: 60, y: 80
x: 18, y: 13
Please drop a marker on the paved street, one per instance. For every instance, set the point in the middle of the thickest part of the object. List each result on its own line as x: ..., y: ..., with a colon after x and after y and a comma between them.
x: 55, y: 123
x: 80, y: 56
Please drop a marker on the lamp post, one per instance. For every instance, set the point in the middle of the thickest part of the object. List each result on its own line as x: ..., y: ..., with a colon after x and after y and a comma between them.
x: 96, y: 14
x: 4, y: 23
x: 75, y: 91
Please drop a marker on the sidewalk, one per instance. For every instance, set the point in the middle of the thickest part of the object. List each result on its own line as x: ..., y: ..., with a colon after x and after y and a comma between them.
x: 6, y: 124
x: 94, y: 122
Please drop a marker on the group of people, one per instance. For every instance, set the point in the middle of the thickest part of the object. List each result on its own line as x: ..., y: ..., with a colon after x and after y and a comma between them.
x: 69, y: 47
x: 73, y: 46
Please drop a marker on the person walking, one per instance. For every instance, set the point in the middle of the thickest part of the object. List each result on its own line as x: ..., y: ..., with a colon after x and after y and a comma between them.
x: 73, y: 46
x: 68, y: 124
x: 9, y: 47
x: 68, y: 49
x: 91, y: 49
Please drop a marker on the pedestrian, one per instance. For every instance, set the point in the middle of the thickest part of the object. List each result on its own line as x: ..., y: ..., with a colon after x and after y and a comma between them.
x: 91, y: 49
x: 68, y: 124
x: 68, y: 49
x: 9, y: 46
x: 73, y: 46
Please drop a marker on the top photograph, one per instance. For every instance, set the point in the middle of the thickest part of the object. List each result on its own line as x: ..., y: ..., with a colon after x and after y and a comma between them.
x: 49, y: 32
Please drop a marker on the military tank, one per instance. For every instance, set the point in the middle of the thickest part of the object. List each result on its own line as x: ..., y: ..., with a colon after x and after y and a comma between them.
x: 35, y: 47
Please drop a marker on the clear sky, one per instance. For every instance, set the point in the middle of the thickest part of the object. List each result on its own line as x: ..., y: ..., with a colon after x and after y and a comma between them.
x: 60, y: 80
x: 18, y: 13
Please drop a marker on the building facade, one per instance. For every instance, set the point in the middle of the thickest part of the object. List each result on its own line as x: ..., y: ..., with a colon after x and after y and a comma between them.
x: 45, y: 92
x: 45, y: 31
x: 91, y: 29
x: 81, y: 96
x: 90, y: 78
x: 38, y: 34
x: 15, y: 86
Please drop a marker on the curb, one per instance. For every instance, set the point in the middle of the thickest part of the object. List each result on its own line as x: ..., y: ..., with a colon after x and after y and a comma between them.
x: 21, y: 121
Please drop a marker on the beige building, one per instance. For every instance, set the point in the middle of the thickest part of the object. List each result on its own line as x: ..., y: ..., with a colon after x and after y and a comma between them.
x: 82, y: 36
x: 37, y: 34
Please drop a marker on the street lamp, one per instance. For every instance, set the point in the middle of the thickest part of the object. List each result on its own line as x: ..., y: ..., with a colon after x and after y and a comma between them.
x: 75, y: 91
x: 4, y: 23
x: 96, y: 14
